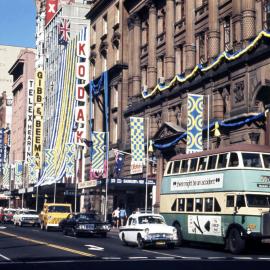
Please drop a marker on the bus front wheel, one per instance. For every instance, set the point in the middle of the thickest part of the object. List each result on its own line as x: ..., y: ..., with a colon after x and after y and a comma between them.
x: 179, y: 234
x: 235, y: 242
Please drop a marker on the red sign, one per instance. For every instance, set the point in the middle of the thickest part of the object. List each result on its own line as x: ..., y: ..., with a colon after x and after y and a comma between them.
x: 51, y: 9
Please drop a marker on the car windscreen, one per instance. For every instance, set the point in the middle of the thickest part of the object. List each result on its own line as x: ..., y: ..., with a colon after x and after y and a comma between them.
x: 88, y: 217
x: 255, y: 200
x: 150, y: 220
x: 59, y: 209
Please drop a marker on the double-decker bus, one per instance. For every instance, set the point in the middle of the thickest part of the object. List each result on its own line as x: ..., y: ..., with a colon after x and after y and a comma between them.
x: 219, y: 196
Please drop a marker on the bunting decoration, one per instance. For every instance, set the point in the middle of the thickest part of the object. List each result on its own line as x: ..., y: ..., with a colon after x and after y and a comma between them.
x: 200, y: 68
x: 194, y: 123
x: 18, y: 174
x: 64, y: 32
x: 49, y: 163
x: 70, y: 154
x: 6, y: 176
x: 98, y: 151
x: 32, y: 172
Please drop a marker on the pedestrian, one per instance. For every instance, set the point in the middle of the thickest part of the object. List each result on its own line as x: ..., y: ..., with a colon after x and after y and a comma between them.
x: 115, y: 216
x: 123, y: 216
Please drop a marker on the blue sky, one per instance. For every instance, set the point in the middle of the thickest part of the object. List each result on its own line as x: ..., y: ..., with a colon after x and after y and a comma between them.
x: 17, y: 23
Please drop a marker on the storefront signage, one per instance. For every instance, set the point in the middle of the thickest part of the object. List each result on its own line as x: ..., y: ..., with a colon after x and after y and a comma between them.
x: 38, y: 117
x: 126, y: 181
x: 197, y: 182
x: 136, y: 168
x: 51, y: 9
x: 22, y: 190
x: 87, y: 184
x: 29, y: 119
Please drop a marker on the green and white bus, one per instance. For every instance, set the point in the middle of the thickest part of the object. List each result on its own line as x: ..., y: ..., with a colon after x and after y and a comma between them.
x: 219, y: 196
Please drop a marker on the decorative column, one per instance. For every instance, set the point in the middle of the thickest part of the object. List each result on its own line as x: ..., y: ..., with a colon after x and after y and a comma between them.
x: 236, y: 21
x: 136, y: 77
x: 152, y: 46
x: 130, y: 56
x: 169, y: 58
x: 213, y: 34
x: 190, y: 49
x: 248, y: 14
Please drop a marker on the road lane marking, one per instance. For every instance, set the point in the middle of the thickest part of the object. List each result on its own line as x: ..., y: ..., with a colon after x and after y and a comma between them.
x: 4, y: 257
x: 138, y: 258
x: 2, y: 227
x: 242, y: 258
x: 92, y: 247
x: 111, y: 258
x: 163, y: 254
x: 165, y: 258
x: 74, y: 251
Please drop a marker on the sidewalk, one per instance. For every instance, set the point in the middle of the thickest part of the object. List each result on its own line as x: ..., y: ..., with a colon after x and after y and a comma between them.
x: 114, y: 232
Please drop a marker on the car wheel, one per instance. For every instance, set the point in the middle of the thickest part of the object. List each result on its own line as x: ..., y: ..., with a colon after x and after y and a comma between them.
x: 140, y: 242
x: 64, y: 231
x: 74, y: 232
x: 179, y: 234
x: 124, y: 240
x: 235, y: 241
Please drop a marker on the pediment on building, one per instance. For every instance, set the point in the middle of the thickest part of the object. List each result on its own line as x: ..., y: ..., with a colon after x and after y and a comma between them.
x: 167, y: 130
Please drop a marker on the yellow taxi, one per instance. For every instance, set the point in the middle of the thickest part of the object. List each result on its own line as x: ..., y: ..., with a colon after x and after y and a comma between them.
x: 52, y: 214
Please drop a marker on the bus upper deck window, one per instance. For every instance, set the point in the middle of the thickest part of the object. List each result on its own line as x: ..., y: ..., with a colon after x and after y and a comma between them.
x: 198, y: 204
x: 212, y: 160
x: 202, y: 163
x: 190, y: 205
x: 181, y: 204
x: 208, y: 204
x: 184, y: 166
x: 222, y: 161
x: 230, y: 201
x: 193, y: 165
x: 217, y: 207
x: 240, y: 201
x: 176, y: 166
x: 173, y: 208
x: 169, y: 167
x: 266, y: 161
x: 252, y: 160
x: 233, y: 162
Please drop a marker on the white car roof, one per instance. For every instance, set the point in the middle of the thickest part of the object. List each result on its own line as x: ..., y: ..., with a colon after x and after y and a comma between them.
x: 136, y: 215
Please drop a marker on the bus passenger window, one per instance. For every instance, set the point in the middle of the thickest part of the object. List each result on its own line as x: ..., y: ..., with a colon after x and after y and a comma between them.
x: 212, y: 160
x: 173, y: 208
x: 252, y: 160
x: 217, y: 207
x: 176, y: 166
x: 181, y: 205
x: 190, y: 205
x: 193, y: 165
x: 234, y: 162
x: 169, y: 167
x: 230, y: 201
x: 202, y: 163
x: 208, y: 204
x: 240, y: 201
x: 222, y: 161
x: 184, y: 166
x: 266, y: 161
x: 198, y: 205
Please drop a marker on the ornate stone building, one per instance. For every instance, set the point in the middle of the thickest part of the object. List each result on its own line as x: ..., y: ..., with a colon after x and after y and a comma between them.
x: 170, y: 37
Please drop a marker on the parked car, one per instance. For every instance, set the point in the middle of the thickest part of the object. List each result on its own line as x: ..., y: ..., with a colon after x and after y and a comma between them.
x: 52, y: 214
x: 26, y: 217
x: 85, y: 223
x: 148, y: 230
x: 8, y: 215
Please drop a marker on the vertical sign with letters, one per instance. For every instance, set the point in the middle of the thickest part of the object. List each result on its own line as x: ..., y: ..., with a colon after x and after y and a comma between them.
x: 38, y: 117
x: 29, y: 120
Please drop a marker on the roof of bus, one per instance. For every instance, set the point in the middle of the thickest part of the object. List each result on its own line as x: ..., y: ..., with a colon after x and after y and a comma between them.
x: 231, y: 148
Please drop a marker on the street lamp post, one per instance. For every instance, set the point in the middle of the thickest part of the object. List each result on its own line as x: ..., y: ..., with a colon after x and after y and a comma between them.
x: 107, y: 176
x: 146, y: 173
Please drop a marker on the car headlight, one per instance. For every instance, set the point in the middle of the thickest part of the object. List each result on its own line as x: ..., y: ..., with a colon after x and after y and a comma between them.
x: 106, y: 227
x: 175, y: 237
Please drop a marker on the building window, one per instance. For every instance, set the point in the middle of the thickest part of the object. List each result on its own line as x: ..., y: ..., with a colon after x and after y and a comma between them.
x: 144, y: 32
x: 266, y: 15
x: 104, y: 60
x: 202, y: 56
x: 227, y: 34
x: 179, y: 57
x: 115, y: 96
x: 160, y: 67
x: 105, y: 24
x: 161, y: 21
x: 93, y: 68
x: 179, y: 10
x: 117, y: 14
x: 144, y: 76
x: 115, y: 131
x: 94, y: 35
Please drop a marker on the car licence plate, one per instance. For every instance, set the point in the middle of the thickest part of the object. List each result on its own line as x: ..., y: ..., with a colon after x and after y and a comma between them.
x: 160, y: 243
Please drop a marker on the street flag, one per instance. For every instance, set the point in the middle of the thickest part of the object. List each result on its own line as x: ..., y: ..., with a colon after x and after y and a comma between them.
x: 119, y: 162
x: 194, y: 123
x: 70, y: 155
x: 63, y: 32
x: 98, y: 154
x: 32, y: 172
x: 18, y: 174
x: 6, y: 182
x: 50, y: 163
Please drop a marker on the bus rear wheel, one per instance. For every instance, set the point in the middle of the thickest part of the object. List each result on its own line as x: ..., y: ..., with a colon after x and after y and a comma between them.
x: 235, y: 242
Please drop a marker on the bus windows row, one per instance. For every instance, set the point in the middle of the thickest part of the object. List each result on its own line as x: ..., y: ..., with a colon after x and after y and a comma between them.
x: 196, y: 205
x: 219, y: 161
x: 248, y: 200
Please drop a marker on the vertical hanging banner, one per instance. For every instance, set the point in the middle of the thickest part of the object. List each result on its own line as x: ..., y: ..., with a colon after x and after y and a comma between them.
x: 194, y: 123
x: 50, y: 164
x: 6, y: 182
x: 29, y: 120
x: 2, y: 147
x: 98, y: 151
x: 38, y: 117
x: 137, y: 145
x: 51, y: 9
x: 70, y: 152
x: 18, y: 174
x: 32, y: 172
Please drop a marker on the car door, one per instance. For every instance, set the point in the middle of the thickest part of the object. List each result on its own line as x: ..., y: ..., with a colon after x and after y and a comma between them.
x: 134, y: 230
x: 126, y: 229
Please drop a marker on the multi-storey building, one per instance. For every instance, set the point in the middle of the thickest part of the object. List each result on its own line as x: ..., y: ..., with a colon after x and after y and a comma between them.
x: 172, y: 37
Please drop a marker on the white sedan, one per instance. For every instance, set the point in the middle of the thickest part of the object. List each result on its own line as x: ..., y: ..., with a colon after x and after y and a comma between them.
x: 148, y: 230
x: 26, y: 217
